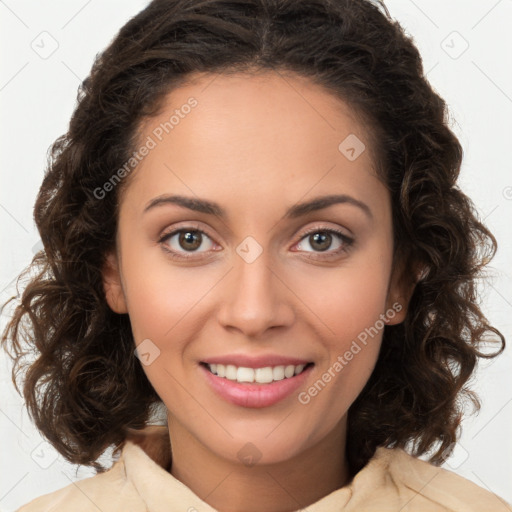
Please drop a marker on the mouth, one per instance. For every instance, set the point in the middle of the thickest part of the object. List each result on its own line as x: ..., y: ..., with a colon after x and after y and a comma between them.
x: 255, y: 387
x: 264, y: 375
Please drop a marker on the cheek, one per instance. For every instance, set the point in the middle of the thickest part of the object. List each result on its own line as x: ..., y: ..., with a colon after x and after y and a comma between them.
x: 352, y: 316
x: 161, y: 294
x: 169, y: 306
x: 350, y: 298
x: 350, y: 303
x: 351, y: 341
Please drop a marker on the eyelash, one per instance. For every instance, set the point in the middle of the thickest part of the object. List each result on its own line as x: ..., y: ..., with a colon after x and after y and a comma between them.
x: 346, y: 241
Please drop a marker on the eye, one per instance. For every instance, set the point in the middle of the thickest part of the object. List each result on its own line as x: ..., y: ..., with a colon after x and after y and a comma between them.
x: 329, y: 241
x: 185, y: 240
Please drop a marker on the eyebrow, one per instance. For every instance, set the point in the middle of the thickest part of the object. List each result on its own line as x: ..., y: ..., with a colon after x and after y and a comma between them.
x: 297, y: 210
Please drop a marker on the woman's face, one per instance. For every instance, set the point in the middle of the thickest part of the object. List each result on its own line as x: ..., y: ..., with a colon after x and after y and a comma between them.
x: 247, y: 270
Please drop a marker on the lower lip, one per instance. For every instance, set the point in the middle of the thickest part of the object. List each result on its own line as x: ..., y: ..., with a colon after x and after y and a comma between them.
x: 255, y: 395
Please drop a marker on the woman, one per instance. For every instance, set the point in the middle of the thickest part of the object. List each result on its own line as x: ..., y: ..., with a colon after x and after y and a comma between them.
x: 254, y: 220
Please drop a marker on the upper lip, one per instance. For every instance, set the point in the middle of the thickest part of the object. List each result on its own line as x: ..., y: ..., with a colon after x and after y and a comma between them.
x: 255, y: 361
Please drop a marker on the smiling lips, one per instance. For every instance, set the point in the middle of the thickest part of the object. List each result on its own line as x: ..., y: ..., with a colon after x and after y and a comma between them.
x: 263, y: 375
x: 255, y: 382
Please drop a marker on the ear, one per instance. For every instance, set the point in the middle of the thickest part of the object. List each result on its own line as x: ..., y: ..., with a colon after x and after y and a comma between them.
x: 400, y: 290
x: 114, y: 293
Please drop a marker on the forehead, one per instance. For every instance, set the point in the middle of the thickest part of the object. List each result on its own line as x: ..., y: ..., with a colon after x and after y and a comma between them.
x: 262, y: 104
x: 262, y: 133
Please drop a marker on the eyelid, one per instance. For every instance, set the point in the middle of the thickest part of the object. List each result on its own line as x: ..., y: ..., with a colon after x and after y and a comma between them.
x: 325, y: 228
x: 185, y: 226
x: 347, y: 240
x: 183, y: 255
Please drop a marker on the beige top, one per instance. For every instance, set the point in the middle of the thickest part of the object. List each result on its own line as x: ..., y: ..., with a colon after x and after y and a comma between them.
x: 392, y: 480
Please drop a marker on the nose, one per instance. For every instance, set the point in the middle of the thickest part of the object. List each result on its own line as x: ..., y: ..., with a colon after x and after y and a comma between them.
x: 256, y: 298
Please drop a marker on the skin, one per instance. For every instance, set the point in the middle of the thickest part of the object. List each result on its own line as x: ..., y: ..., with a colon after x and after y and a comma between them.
x: 256, y: 145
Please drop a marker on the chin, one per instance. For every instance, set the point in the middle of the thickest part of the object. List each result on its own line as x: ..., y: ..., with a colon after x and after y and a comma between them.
x: 249, y: 450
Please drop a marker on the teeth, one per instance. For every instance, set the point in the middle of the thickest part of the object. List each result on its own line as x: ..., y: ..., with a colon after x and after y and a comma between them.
x: 231, y: 372
x: 299, y: 368
x: 278, y: 373
x: 259, y: 375
x: 289, y: 371
x: 244, y: 375
x: 263, y: 375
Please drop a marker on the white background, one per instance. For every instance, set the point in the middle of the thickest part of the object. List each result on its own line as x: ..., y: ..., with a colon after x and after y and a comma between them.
x: 37, y: 97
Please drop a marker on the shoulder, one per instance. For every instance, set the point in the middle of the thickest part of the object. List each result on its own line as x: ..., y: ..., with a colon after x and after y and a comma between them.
x: 144, y: 455
x: 110, y: 491
x: 429, y: 487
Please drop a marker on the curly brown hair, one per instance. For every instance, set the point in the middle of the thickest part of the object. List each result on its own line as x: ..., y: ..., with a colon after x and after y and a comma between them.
x: 85, y: 389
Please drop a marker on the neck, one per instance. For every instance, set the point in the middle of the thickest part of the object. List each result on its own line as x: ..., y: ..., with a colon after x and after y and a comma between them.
x: 230, y: 486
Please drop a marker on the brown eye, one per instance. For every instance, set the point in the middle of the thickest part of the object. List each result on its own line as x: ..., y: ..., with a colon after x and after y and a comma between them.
x: 320, y: 241
x: 182, y: 241
x: 331, y: 242
x: 190, y: 240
